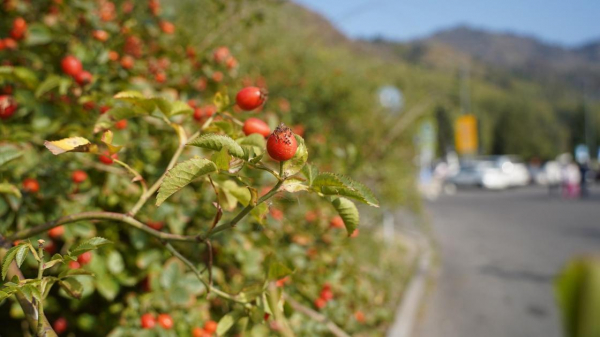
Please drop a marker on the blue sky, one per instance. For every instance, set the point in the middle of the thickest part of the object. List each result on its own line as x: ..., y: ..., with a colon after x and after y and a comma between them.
x: 566, y: 22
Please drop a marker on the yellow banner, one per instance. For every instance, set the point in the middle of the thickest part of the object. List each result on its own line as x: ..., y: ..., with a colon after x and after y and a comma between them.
x: 465, y: 134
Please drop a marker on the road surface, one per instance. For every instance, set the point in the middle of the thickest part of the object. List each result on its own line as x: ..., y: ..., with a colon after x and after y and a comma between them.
x: 499, y: 254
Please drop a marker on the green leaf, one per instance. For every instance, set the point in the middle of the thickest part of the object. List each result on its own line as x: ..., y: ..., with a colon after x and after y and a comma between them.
x: 296, y: 163
x: 53, y: 263
x: 8, y: 153
x: 37, y: 34
x: 310, y: 172
x: 336, y: 184
x: 138, y: 99
x: 349, y: 213
x: 6, y: 188
x: 22, y: 252
x: 53, y: 81
x: 26, y: 76
x: 8, y: 258
x: 115, y: 263
x: 72, y: 287
x: 294, y: 185
x: 116, y: 114
x: 254, y: 139
x: 221, y: 159
x: 216, y: 142
x: 179, y: 108
x: 227, y: 322
x: 183, y: 174
x: 74, y: 272
x: 277, y: 270
x: 4, y: 295
x: 89, y: 245
x: 241, y: 193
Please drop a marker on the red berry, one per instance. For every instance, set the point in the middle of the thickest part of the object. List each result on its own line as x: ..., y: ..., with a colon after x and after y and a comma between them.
x: 79, y: 176
x: 10, y: 43
x: 320, y: 303
x: 83, y: 77
x: 360, y: 317
x: 121, y: 125
x: 8, y: 106
x: 210, y: 326
x: 60, y: 325
x: 276, y: 214
x: 282, y: 281
x: 221, y: 54
x: 56, y: 232
x: 217, y: 76
x: 199, y: 332
x: 326, y: 294
x: 167, y: 27
x: 127, y: 62
x: 31, y: 185
x: 89, y: 105
x: 266, y: 316
x: 100, y: 35
x: 107, y: 159
x: 282, y: 144
x: 84, y: 258
x: 148, y: 321
x: 255, y: 125
x: 156, y: 225
x: 231, y: 63
x: 354, y: 233
x: 337, y: 222
x: 166, y: 321
x: 250, y: 98
x: 74, y: 265
x: 310, y: 216
x: 104, y: 109
x: 160, y: 77
x: 71, y: 65
x: 50, y: 247
x: 113, y: 55
x: 19, y: 29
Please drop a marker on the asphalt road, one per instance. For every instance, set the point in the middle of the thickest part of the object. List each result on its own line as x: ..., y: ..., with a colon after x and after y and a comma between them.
x: 500, y: 252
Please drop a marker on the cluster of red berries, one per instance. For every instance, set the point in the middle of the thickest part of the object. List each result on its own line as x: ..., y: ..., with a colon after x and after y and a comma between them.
x: 82, y: 260
x: 18, y: 32
x: 72, y: 66
x: 209, y: 328
x: 325, y: 296
x: 148, y: 321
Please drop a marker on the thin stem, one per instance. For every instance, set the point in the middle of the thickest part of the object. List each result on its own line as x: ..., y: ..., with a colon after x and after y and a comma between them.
x: 195, y: 270
x: 335, y: 330
x: 136, y: 175
x: 244, y: 211
x: 128, y: 220
x: 264, y: 168
x: 40, y: 304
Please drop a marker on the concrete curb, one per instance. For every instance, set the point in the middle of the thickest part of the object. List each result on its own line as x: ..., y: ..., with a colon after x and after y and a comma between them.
x: 406, y: 315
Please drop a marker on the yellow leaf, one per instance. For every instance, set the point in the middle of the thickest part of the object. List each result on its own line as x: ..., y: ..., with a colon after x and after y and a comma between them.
x: 73, y: 144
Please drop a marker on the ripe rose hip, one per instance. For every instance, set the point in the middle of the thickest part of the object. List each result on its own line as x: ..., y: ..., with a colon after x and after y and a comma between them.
x: 210, y: 326
x: 354, y: 233
x: 121, y: 125
x: 337, y: 222
x: 156, y: 225
x: 199, y: 332
x: 320, y: 303
x: 83, y: 78
x: 8, y: 106
x: 100, y: 35
x: 160, y: 77
x: 74, y: 265
x: 19, y: 29
x: 276, y: 214
x: 217, y: 76
x: 255, y: 125
x: 166, y: 321
x: 50, y: 247
x: 79, y: 176
x: 89, y: 105
x: 107, y: 159
x: 250, y: 98
x: 147, y: 321
x: 113, y: 55
x: 282, y: 144
x: 360, y: 317
x: 221, y: 54
x: 60, y: 325
x: 10, y: 43
x: 31, y: 185
x: 104, y: 109
x: 326, y: 294
x: 127, y: 62
x: 84, y: 258
x: 231, y: 63
x: 167, y: 27
x: 56, y: 232
x: 71, y: 65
